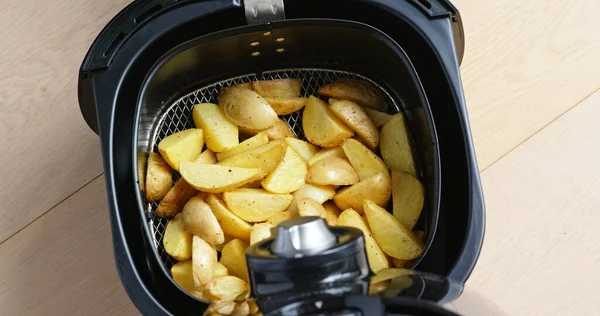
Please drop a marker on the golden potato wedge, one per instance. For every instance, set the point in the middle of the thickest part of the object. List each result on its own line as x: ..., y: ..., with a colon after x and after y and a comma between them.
x: 228, y: 238
x: 310, y: 207
x: 376, y: 256
x: 379, y: 118
x: 377, y: 188
x: 365, y: 162
x: 231, y: 224
x: 207, y: 156
x: 249, y: 144
x: 332, y: 171
x: 158, y: 178
x: 331, y: 152
x: 220, y: 133
x: 408, y: 197
x: 220, y: 270
x: 304, y: 149
x: 321, y: 127
x: 260, y: 232
x: 176, y: 240
x: 175, y: 199
x: 241, y: 309
x: 277, y: 218
x: 332, y: 212
x: 204, y: 259
x: 395, y: 145
x: 227, y: 287
x: 266, y: 157
x: 289, y: 174
x: 394, y: 238
x: 233, y: 257
x: 278, y: 88
x: 199, y: 220
x: 285, y: 106
x: 222, y: 307
x: 355, y: 117
x: 217, y: 179
x: 181, y: 146
x: 319, y: 193
x: 246, y: 108
x: 357, y: 91
x: 279, y: 130
x: 183, y: 276
x: 256, y: 205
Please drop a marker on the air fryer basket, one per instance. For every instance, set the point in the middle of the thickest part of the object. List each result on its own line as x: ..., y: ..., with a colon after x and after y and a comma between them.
x: 318, y: 52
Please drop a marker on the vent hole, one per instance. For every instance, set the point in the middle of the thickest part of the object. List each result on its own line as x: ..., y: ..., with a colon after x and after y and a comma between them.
x: 425, y: 3
x: 113, y: 45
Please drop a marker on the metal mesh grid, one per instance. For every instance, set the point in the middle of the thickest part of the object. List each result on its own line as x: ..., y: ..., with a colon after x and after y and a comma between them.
x: 178, y: 117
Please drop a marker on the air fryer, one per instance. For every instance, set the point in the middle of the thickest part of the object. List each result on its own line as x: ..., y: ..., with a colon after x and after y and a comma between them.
x: 156, y: 59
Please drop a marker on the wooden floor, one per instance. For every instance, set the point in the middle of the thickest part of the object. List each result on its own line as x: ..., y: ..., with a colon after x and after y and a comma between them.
x: 531, y: 73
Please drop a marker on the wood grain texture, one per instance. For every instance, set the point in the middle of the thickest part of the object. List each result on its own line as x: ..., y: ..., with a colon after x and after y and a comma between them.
x: 47, y: 150
x: 541, y: 253
x: 62, y: 263
x: 526, y: 62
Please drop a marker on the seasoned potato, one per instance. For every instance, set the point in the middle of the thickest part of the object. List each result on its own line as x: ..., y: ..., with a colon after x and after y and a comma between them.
x: 231, y: 224
x: 220, y: 270
x: 181, y: 146
x: 215, y: 178
x: 266, y: 157
x: 379, y: 118
x: 200, y: 221
x: 260, y: 232
x: 183, y: 276
x: 355, y: 117
x: 310, y: 207
x: 176, y: 240
x: 364, y: 161
x: 289, y: 174
x: 277, y: 218
x: 249, y: 144
x: 376, y: 188
x: 357, y: 91
x: 279, y: 130
x: 227, y: 288
x: 304, y: 149
x: 256, y: 205
x: 395, y: 145
x: 233, y: 256
x: 220, y: 133
x: 321, y: 127
x: 285, y: 106
x: 331, y: 152
x: 332, y: 171
x: 204, y: 259
x: 158, y: 178
x: 175, y: 199
x: 247, y: 108
x: 319, y: 193
x: 241, y: 309
x: 408, y: 196
x: 332, y: 212
x: 394, y: 238
x: 377, y: 258
x: 278, y: 88
x: 207, y: 156
x: 222, y: 307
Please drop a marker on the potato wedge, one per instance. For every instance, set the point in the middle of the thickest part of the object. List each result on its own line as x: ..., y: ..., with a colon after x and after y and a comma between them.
x: 332, y: 212
x: 176, y: 240
x: 266, y: 157
x: 357, y: 91
x: 395, y: 145
x: 288, y: 176
x: 310, y: 207
x: 285, y: 106
x: 233, y: 257
x: 377, y: 188
x: 183, y: 276
x: 319, y: 193
x: 321, y: 127
x: 376, y: 288
x: 181, y: 146
x: 394, y: 238
x: 231, y: 224
x: 175, y: 199
x: 241, y: 309
x: 227, y: 287
x: 331, y: 152
x: 247, y: 85
x: 332, y: 171
x: 355, y: 117
x: 260, y: 232
x: 220, y: 133
x: 246, y: 108
x: 379, y: 118
x: 158, y: 178
x: 222, y: 307
x: 279, y: 130
x: 217, y: 179
x: 220, y: 270
x: 253, y: 307
x: 207, y: 156
x: 304, y: 149
x: 408, y: 197
x: 228, y: 238
x: 278, y: 88
x: 277, y: 218
x: 200, y: 221
x: 249, y: 144
x: 376, y: 256
x: 204, y: 259
x: 256, y: 205
x: 365, y: 162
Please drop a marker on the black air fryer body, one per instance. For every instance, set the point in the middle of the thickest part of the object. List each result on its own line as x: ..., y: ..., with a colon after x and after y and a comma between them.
x: 131, y: 70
